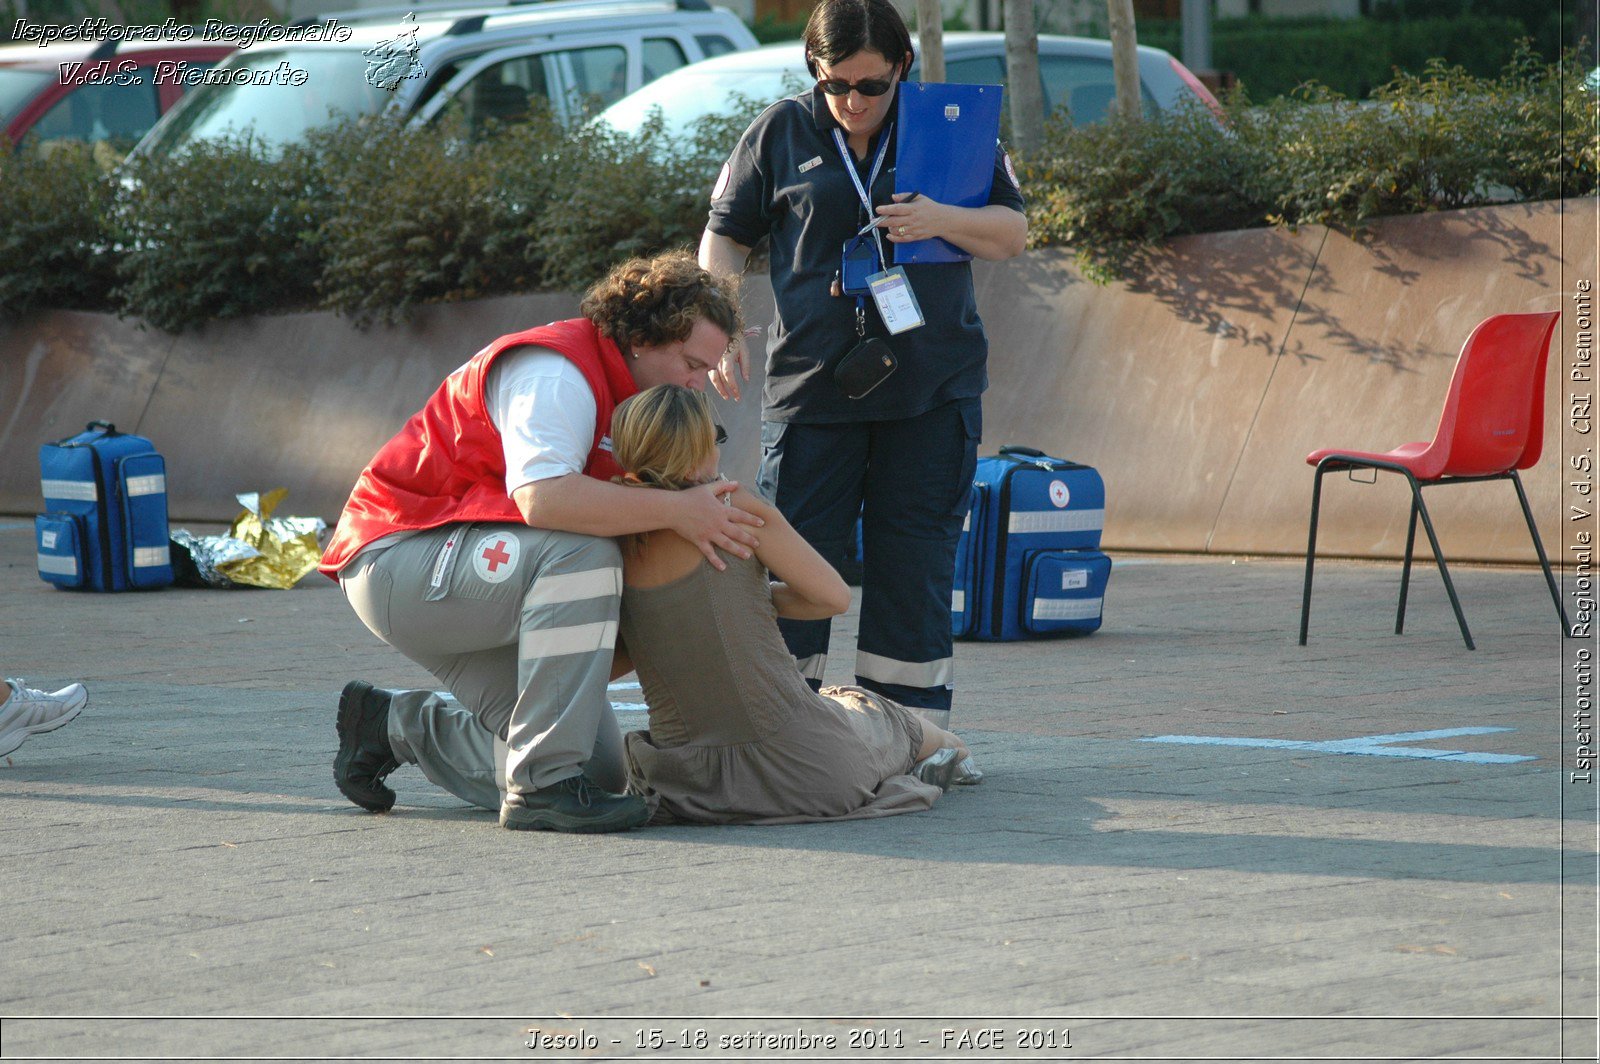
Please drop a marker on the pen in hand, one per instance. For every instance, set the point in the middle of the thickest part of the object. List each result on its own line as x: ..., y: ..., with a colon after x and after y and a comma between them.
x: 881, y: 222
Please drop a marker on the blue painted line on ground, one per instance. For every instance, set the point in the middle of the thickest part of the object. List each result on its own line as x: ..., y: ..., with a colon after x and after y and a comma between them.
x: 8, y: 526
x: 1367, y: 745
x: 627, y: 707
x: 1421, y: 736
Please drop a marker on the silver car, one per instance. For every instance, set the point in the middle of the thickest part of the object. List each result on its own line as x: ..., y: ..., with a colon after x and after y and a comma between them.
x: 1075, y: 71
x: 488, y: 62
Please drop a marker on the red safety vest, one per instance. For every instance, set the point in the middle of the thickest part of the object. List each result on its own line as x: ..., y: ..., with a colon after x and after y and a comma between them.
x: 448, y: 466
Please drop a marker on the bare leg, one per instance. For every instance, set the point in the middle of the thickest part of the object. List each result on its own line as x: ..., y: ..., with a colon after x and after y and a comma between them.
x: 935, y: 738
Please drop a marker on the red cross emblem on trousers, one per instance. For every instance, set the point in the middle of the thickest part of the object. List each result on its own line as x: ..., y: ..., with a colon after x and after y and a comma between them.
x: 496, y: 555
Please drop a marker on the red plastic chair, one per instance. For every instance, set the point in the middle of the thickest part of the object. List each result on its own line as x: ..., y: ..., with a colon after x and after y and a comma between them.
x: 1492, y: 426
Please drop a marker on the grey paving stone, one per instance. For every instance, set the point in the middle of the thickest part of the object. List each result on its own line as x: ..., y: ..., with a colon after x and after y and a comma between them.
x: 180, y: 850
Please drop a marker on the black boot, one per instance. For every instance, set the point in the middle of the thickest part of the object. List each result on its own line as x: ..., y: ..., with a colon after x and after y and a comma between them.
x: 573, y: 804
x: 365, y: 756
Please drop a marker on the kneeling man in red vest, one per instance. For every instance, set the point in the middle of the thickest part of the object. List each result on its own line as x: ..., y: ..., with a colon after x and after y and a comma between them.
x: 478, y: 542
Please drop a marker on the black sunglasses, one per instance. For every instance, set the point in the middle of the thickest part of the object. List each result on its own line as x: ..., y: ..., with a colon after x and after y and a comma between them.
x: 866, y: 86
x: 722, y: 435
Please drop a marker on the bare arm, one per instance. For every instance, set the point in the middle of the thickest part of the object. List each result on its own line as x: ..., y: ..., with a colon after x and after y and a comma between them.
x: 807, y: 587
x: 991, y: 232
x: 722, y: 255
x: 577, y: 503
x: 725, y: 257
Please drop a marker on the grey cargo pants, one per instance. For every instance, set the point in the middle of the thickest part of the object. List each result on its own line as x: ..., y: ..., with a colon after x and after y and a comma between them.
x: 519, y: 625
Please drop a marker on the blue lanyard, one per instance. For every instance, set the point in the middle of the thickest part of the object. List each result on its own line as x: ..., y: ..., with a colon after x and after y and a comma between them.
x: 872, y: 179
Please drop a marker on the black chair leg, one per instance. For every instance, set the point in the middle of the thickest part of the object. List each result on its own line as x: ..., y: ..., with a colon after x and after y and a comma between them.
x: 1405, y: 572
x: 1438, y: 556
x: 1311, y: 555
x: 1544, y: 561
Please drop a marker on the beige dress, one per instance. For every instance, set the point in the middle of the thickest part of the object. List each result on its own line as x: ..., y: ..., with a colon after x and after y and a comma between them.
x: 736, y: 735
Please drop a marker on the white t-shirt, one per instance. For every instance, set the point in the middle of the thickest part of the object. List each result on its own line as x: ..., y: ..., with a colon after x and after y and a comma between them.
x: 545, y: 412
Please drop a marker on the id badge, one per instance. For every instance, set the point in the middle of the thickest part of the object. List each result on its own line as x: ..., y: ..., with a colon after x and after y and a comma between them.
x: 897, y: 303
x: 857, y: 265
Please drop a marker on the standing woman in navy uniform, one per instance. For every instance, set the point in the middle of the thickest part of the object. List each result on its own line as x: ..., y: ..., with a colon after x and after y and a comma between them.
x: 809, y: 174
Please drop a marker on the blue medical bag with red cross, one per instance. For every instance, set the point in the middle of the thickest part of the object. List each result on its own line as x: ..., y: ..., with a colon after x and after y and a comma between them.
x: 1028, y: 563
x: 105, y: 522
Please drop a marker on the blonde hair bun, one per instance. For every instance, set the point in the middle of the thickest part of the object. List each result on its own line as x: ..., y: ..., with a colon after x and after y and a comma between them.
x: 663, y: 436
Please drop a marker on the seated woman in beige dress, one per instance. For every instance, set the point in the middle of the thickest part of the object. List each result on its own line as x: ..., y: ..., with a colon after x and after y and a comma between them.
x: 736, y: 734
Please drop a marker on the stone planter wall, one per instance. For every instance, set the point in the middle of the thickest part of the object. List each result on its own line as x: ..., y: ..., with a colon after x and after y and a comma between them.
x: 1197, y: 392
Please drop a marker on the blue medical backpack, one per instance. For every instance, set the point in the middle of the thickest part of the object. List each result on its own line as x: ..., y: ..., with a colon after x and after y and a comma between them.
x: 1028, y: 563
x: 105, y: 522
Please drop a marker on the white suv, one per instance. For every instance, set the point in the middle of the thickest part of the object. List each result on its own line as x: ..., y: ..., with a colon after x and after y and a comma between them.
x: 485, y: 61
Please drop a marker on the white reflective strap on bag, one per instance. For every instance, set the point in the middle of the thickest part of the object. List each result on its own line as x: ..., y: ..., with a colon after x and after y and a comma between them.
x: 1084, y: 609
x: 153, y: 484
x: 150, y: 557
x: 58, y: 564
x: 75, y: 490
x: 958, y: 601
x: 1029, y: 521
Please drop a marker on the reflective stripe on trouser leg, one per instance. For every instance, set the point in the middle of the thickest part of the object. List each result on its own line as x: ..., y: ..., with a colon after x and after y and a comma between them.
x: 454, y: 750
x: 881, y: 670
x: 813, y: 475
x: 568, y: 631
x: 916, y: 493
x: 813, y: 667
x: 467, y: 632
x: 449, y: 743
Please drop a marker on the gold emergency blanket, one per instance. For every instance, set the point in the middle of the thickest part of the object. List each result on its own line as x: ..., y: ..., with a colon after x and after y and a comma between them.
x: 286, y: 548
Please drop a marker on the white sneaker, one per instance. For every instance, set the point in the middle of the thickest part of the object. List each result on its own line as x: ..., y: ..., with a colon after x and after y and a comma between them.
x: 29, y: 712
x: 938, y: 767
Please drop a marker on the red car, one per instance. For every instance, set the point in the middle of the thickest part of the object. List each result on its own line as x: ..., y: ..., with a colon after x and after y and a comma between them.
x: 107, y: 91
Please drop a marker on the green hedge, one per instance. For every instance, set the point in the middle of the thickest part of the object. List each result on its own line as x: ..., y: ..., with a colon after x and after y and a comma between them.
x: 373, y: 219
x: 53, y: 231
x: 1273, y: 57
x: 1437, y: 141
x: 424, y: 217
x: 222, y: 232
x: 1552, y: 26
x: 370, y: 219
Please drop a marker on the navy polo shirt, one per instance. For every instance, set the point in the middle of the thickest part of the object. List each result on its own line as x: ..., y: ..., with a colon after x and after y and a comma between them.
x: 786, y: 180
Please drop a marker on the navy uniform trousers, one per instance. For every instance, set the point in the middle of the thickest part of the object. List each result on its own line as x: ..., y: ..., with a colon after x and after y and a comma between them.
x: 908, y: 481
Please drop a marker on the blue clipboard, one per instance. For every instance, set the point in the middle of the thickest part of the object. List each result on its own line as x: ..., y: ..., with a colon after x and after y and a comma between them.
x: 945, y: 140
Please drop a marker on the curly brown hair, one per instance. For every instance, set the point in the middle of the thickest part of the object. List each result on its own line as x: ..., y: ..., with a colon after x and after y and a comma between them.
x: 656, y: 301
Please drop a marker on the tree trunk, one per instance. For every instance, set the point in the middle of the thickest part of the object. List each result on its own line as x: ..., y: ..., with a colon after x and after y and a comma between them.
x: 1022, y: 77
x: 930, y: 39
x: 1124, y: 59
